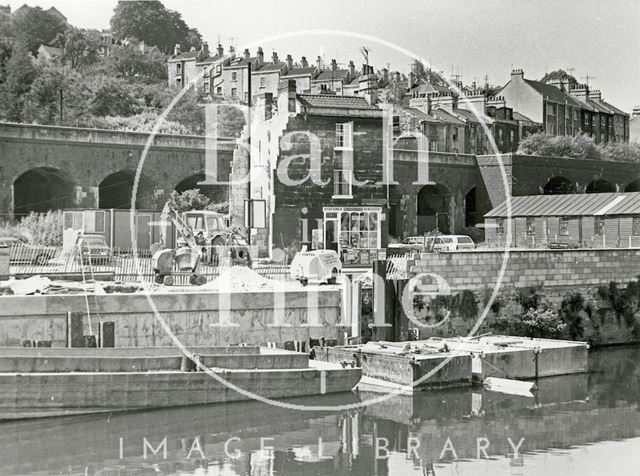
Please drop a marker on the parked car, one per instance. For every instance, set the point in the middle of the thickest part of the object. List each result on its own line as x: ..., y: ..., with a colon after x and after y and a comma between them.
x: 435, y: 243
x: 94, y: 249
x: 23, y: 253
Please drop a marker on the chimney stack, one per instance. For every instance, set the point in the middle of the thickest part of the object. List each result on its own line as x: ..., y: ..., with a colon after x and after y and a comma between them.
x: 204, y: 50
x: 517, y: 75
x: 319, y: 63
x: 274, y: 58
x: 334, y: 65
x: 304, y: 63
x: 176, y: 49
x: 220, y: 50
x: 352, y: 70
x: 411, y: 78
x: 385, y: 75
x: 260, y: 55
x: 247, y: 55
x: 289, y: 62
x: 595, y: 95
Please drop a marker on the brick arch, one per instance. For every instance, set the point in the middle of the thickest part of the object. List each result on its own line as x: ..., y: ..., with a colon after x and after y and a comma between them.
x: 40, y: 189
x: 558, y: 185
x: 633, y: 186
x: 435, y: 208
x: 217, y: 193
x: 115, y: 190
x: 600, y: 185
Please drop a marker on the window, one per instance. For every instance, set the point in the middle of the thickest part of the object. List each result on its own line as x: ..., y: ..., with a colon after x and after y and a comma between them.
x: 551, y: 109
x: 564, y: 226
x: 531, y: 226
x: 598, y: 226
x: 575, y: 115
x: 342, y: 183
x: 179, y: 68
x: 234, y: 76
x: 179, y: 82
x: 206, y: 87
x: 455, y: 133
x: 234, y: 92
x: 263, y: 82
x: 219, y: 90
x: 344, y: 135
x: 359, y: 229
x: 500, y: 226
x: 635, y: 226
x: 246, y: 96
x: 512, y: 136
x: 218, y: 68
x: 500, y: 134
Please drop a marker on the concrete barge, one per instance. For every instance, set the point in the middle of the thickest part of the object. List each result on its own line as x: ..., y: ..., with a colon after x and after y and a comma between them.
x: 42, y: 382
x: 455, y: 362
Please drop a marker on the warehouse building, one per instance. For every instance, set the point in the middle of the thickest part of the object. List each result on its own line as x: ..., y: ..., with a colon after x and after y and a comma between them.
x: 593, y: 220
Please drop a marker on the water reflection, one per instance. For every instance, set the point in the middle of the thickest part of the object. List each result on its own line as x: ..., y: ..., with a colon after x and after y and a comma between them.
x: 450, y: 432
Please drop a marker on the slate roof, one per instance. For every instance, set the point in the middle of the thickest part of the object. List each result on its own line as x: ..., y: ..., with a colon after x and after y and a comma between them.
x: 521, y: 117
x: 301, y: 71
x: 470, y: 116
x: 423, y: 116
x: 185, y: 55
x: 575, y: 204
x: 614, y: 109
x: 446, y: 116
x: 270, y: 67
x: 328, y: 75
x: 553, y: 93
x: 332, y: 101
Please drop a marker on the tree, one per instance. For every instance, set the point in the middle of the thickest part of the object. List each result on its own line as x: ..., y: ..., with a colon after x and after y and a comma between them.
x: 152, y: 23
x: 80, y: 47
x: 191, y: 199
x: 20, y: 75
x: 130, y: 62
x: 113, y: 97
x: 559, y: 74
x: 38, y: 27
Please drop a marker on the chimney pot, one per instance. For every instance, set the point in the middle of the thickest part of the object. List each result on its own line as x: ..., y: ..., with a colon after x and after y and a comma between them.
x: 289, y: 62
x: 304, y: 62
x: 220, y: 50
x: 274, y: 58
x: 176, y: 49
x: 334, y: 65
x: 247, y: 55
x: 319, y: 63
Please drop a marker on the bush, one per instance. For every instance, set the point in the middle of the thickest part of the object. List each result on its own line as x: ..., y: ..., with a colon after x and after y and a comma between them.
x: 580, y: 146
x: 43, y: 229
x: 542, y: 323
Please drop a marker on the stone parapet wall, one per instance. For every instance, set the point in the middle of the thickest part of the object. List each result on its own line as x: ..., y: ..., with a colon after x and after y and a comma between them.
x: 549, y: 268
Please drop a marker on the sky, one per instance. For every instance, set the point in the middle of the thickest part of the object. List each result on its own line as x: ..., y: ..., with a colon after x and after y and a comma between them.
x: 473, y: 38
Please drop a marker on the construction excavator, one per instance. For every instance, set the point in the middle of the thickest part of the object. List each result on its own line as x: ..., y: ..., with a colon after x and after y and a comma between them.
x: 204, y: 238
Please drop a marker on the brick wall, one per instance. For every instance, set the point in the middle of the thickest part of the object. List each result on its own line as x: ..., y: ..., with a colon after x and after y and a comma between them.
x: 476, y: 270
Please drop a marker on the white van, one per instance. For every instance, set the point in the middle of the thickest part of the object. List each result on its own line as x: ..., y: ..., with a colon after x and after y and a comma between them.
x: 437, y: 243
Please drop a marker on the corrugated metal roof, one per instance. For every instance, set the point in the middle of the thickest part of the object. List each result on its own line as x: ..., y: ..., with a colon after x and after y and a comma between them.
x: 576, y: 204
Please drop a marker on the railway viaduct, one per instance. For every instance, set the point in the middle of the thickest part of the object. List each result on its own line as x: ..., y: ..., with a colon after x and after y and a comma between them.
x: 49, y: 167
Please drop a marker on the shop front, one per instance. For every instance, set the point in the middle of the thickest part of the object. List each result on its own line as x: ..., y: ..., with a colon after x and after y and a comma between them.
x: 355, y: 233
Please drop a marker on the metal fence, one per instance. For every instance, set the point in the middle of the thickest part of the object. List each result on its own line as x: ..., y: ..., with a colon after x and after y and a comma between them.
x: 125, y: 265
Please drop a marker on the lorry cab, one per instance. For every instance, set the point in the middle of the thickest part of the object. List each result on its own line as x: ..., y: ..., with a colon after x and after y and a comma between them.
x: 206, y: 223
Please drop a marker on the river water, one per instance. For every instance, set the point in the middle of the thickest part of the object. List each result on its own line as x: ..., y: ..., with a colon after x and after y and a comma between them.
x: 577, y: 425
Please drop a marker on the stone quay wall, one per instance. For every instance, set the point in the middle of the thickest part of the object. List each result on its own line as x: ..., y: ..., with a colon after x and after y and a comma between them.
x: 193, y: 317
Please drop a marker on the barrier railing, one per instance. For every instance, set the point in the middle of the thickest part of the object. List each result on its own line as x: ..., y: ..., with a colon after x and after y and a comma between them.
x: 126, y: 265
